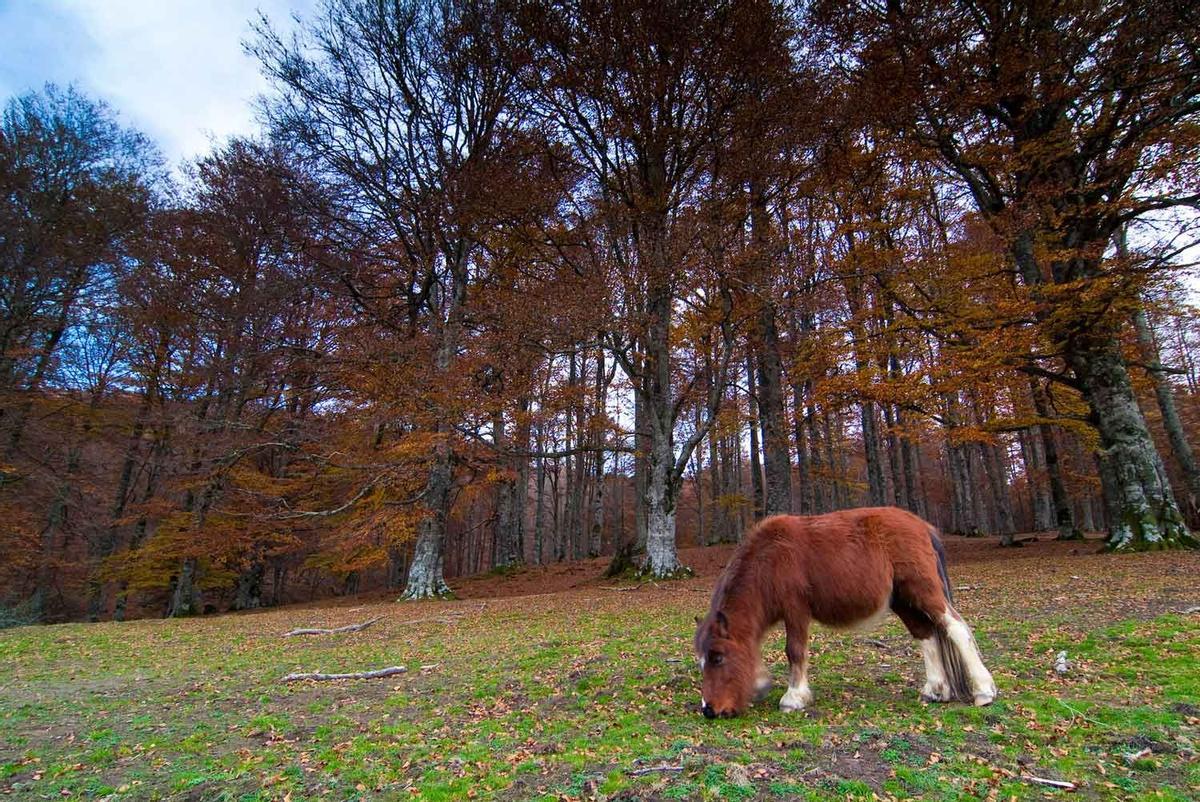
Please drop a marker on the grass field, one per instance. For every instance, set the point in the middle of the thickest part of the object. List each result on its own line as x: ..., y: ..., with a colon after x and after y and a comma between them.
x: 591, y: 693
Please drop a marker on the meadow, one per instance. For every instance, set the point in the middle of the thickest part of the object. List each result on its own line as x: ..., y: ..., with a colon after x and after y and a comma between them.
x: 557, y: 684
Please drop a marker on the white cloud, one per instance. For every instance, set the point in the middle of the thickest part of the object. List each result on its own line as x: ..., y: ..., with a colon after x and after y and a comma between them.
x: 173, y: 68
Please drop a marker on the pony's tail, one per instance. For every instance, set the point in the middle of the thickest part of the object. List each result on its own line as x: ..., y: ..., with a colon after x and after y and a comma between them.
x: 949, y: 655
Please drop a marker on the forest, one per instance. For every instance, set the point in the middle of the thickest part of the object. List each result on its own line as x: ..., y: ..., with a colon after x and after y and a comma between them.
x: 512, y: 283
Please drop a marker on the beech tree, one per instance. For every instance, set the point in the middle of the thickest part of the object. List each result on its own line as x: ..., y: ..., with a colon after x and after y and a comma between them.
x: 75, y: 190
x: 404, y: 107
x: 1064, y: 122
x: 644, y: 95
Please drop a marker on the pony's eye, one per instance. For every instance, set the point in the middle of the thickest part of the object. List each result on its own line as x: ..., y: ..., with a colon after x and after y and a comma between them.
x: 716, y: 658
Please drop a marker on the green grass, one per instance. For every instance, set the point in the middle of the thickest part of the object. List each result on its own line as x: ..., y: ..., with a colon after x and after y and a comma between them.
x: 568, y: 696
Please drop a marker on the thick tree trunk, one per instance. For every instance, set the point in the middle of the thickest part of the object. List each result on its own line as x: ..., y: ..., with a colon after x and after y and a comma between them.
x: 426, y: 578
x: 662, y: 558
x: 1142, y: 510
x: 661, y: 483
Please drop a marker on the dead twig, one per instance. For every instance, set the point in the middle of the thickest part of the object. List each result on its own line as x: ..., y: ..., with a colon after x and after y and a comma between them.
x: 318, y: 677
x: 652, y: 769
x: 348, y: 628
x: 875, y: 642
x: 1066, y: 786
x: 1079, y: 714
x: 622, y: 588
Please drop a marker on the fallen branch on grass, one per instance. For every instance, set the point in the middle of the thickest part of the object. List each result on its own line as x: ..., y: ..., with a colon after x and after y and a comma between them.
x: 318, y: 677
x: 1079, y: 714
x: 348, y: 628
x: 625, y: 587
x: 652, y: 769
x: 1066, y: 786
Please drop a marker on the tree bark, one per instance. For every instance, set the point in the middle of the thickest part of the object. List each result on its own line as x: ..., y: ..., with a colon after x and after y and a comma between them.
x: 1181, y: 450
x: 756, y: 475
x: 1142, y: 510
x: 1064, y: 515
x: 772, y: 410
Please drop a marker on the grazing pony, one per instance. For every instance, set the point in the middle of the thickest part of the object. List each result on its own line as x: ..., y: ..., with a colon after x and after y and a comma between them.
x: 845, y: 569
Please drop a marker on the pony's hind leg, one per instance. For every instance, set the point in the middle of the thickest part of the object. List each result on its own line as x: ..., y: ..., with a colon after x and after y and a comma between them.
x: 921, y: 627
x: 798, y: 695
x: 980, y: 684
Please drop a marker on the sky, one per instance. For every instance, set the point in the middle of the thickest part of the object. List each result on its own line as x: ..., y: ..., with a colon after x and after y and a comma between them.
x: 173, y: 69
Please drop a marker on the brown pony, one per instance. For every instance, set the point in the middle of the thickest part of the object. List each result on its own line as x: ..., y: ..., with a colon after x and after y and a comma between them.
x: 844, y: 569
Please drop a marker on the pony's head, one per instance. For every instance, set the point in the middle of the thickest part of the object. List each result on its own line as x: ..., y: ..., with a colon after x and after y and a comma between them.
x: 727, y: 665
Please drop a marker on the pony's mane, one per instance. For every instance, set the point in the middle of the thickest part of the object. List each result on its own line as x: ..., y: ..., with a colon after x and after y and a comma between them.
x: 732, y: 577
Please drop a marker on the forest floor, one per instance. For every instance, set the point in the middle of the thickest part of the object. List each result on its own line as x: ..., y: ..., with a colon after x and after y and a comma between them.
x: 555, y: 683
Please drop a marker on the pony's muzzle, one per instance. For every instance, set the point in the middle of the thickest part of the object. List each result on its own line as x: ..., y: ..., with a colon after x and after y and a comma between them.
x: 708, y: 711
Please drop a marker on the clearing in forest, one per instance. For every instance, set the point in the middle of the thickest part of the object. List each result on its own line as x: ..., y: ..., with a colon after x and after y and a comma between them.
x: 589, y: 691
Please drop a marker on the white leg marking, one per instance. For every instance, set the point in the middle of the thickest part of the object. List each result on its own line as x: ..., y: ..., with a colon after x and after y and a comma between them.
x: 937, y: 688
x: 982, y: 686
x: 798, y: 695
x: 796, y: 698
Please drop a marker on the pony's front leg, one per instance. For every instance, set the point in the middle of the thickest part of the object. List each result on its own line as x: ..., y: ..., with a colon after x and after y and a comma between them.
x: 762, y: 680
x: 798, y: 694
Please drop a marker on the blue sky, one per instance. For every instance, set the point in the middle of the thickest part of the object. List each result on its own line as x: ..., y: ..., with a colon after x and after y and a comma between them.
x: 174, y: 69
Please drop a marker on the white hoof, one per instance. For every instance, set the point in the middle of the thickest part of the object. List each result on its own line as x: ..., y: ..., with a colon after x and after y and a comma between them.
x: 796, y: 699
x: 985, y: 697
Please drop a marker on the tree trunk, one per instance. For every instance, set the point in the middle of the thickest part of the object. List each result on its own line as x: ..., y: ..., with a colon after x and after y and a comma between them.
x: 426, y: 578
x: 641, y: 429
x: 661, y: 483
x: 662, y: 558
x: 1142, y: 510
x: 185, y: 600
x: 997, y: 476
x: 506, y: 538
x: 539, y: 510
x: 820, y: 501
x: 249, y: 587
x: 1181, y: 450
x: 1064, y: 515
x: 756, y: 477
x: 772, y: 410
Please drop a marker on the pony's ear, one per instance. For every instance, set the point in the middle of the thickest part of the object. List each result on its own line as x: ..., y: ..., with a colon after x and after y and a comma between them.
x: 722, y: 625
